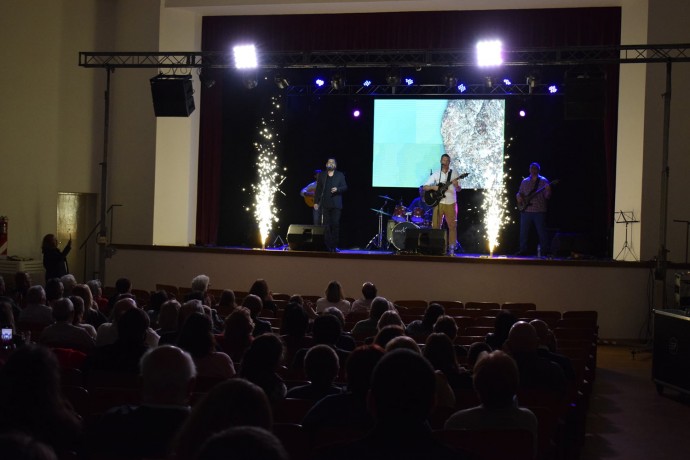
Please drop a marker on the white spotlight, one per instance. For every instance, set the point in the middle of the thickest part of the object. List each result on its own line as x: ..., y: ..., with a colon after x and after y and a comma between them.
x: 245, y: 57
x: 489, y: 53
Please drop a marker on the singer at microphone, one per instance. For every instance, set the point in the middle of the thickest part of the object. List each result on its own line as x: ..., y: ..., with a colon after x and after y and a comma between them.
x: 330, y: 185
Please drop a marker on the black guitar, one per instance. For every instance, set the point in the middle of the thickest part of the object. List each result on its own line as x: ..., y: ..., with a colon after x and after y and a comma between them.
x: 434, y: 197
x: 527, y: 199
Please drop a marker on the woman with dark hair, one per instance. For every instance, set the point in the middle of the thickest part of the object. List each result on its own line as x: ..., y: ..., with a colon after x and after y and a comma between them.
x: 238, y: 334
x: 294, y: 330
x: 197, y: 338
x: 260, y: 363
x: 504, y: 321
x: 439, y: 351
x: 333, y: 298
x: 31, y: 402
x: 260, y: 288
x: 54, y: 260
x: 226, y: 304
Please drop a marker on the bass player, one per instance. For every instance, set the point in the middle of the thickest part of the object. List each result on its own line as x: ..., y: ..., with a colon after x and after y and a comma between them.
x: 532, y: 199
x: 448, y: 180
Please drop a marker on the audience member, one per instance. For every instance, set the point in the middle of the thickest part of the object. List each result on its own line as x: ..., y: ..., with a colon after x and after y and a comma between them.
x: 369, y: 293
x: 156, y: 301
x: 36, y: 311
x: 237, y: 335
x: 167, y: 318
x: 64, y: 334
x: 54, y: 290
x: 188, y: 308
x: 19, y: 446
x: 439, y: 351
x: 419, y: 329
x: 546, y: 347
x: 446, y: 325
x: 22, y: 283
x: 321, y: 367
x: 345, y: 342
x: 200, y: 284
x: 260, y: 364
x: 504, y: 321
x: 147, y: 430
x: 31, y: 401
x: 92, y: 315
x: 5, y: 298
x: 390, y: 318
x: 243, y: 443
x: 333, y: 298
x: 97, y: 293
x: 326, y: 330
x: 7, y: 322
x: 233, y: 403
x: 68, y: 283
x: 108, y: 332
x: 78, y: 319
x: 294, y: 330
x: 496, y: 381
x: 388, y: 333
x: 227, y: 303
x: 123, y: 287
x: 369, y: 327
x: 405, y: 342
x: 260, y: 288
x: 254, y: 304
x: 196, y: 337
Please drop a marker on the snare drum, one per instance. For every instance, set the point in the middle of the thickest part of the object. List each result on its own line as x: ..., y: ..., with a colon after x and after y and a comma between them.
x: 400, y: 214
x: 397, y: 238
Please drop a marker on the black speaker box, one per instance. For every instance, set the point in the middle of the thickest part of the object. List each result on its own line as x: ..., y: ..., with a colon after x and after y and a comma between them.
x: 306, y: 237
x: 431, y: 241
x: 173, y: 95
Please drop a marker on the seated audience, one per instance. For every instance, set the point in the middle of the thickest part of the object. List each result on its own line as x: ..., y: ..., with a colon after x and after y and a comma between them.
x: 496, y: 380
x: 92, y: 315
x: 148, y: 429
x: 227, y: 303
x: 68, y: 283
x: 243, y: 404
x: 446, y: 325
x: 5, y: 298
x: 196, y: 337
x: 333, y: 298
x: 186, y: 309
x: 260, y: 364
x: 260, y: 288
x: 419, y: 329
x: 294, y: 329
x: 54, y: 290
x: 7, y: 322
x: 78, y: 319
x: 123, y: 288
x: 504, y: 321
x: 327, y: 331
x: 97, y: 293
x: 369, y: 293
x: 321, y: 367
x: 22, y: 283
x: 547, y: 346
x: 439, y: 351
x: 36, y: 311
x: 345, y: 342
x: 153, y: 309
x: 108, y: 332
x: 63, y: 334
x: 390, y: 318
x: 237, y: 335
x: 388, y: 333
x: 167, y: 319
x: 245, y: 443
x: 31, y: 401
x: 369, y: 327
x: 254, y: 304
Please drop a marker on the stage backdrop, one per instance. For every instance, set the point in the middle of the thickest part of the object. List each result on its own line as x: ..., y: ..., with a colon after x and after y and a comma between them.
x: 309, y: 129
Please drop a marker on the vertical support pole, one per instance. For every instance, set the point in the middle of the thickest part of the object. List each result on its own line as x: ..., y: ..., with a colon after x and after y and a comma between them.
x: 663, y: 209
x: 103, y: 231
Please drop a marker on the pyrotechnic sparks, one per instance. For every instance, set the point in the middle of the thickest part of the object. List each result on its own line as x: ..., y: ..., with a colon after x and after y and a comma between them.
x: 494, y: 207
x: 269, y: 179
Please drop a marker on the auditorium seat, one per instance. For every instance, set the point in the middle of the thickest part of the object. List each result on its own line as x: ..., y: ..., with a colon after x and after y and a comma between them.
x: 550, y: 317
x: 518, y: 307
x: 485, y: 321
x: 169, y: 288
x: 483, y: 305
x: 294, y: 439
x: 291, y: 410
x: 448, y: 304
x: 411, y: 304
x: 489, y: 444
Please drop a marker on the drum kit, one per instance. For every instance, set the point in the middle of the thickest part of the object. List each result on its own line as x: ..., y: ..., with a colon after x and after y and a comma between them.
x: 400, y: 221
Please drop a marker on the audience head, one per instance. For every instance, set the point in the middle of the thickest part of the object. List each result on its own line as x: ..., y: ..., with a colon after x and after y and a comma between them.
x: 260, y: 288
x: 16, y: 445
x: 95, y: 287
x: 334, y: 292
x: 296, y: 298
x: 158, y: 298
x: 321, y: 364
x: 440, y: 352
x: 6, y: 316
x: 187, y: 309
x: 254, y: 304
x: 522, y: 338
x: 239, y: 325
x: 389, y: 318
x: 227, y: 299
x: 335, y: 311
x: 403, y: 341
x: 132, y: 327
x: 243, y: 443
x: 403, y: 388
x: 379, y: 306
x: 68, y: 281
x: 295, y: 320
x: 496, y: 379
x: 546, y: 337
x: 196, y: 336
x: 504, y: 321
x: 387, y: 334
x: 233, y: 403
x: 36, y: 295
x: 326, y: 330
x: 63, y: 310
x: 78, y: 304
x: 360, y: 364
x: 54, y: 289
x: 263, y: 357
x: 120, y: 308
x: 475, y: 350
x: 22, y: 281
x: 200, y: 283
x: 446, y: 325
x: 167, y: 374
x: 431, y: 314
x: 83, y: 291
x: 369, y: 290
x: 123, y: 286
x: 167, y: 317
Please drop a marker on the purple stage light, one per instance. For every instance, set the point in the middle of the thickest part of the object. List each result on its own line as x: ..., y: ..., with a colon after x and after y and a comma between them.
x: 553, y: 89
x: 356, y: 113
x: 522, y: 113
x: 367, y: 83
x: 409, y: 81
x: 319, y: 82
x: 462, y: 88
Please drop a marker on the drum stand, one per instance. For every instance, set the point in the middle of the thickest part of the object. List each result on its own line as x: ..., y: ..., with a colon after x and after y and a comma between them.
x: 379, y: 240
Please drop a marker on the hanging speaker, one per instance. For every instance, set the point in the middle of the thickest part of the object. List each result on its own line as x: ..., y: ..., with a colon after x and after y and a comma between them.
x: 173, y: 95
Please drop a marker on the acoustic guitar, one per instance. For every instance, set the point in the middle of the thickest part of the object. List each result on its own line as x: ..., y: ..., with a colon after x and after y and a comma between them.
x: 434, y: 197
x: 527, y: 199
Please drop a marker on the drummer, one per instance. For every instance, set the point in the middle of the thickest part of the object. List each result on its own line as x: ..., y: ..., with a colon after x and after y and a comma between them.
x: 418, y: 203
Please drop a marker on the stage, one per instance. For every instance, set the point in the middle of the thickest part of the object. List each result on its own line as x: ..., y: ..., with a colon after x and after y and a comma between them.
x: 619, y: 291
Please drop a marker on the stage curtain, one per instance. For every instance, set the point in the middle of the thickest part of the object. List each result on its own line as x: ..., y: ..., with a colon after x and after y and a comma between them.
x: 547, y: 28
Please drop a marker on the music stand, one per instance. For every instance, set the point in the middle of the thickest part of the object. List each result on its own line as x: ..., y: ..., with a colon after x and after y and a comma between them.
x: 627, y: 218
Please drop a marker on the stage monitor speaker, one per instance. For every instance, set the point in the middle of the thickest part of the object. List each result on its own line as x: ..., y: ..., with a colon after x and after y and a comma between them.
x: 306, y: 237
x: 173, y: 95
x: 430, y: 241
x: 585, y: 98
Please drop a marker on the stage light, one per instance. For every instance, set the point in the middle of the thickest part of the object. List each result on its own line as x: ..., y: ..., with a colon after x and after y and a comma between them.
x: 281, y: 82
x: 366, y: 83
x: 319, y: 82
x: 245, y: 57
x: 489, y: 53
x: 462, y: 88
x: 531, y: 83
x: 450, y: 80
x: 553, y: 89
x: 337, y: 82
x: 356, y: 113
x: 522, y: 113
x: 409, y: 81
x: 393, y: 77
x: 205, y: 80
x: 488, y: 82
x: 507, y: 82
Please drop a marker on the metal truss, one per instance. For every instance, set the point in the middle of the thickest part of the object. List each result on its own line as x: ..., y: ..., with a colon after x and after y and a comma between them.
x: 414, y: 90
x: 591, y: 55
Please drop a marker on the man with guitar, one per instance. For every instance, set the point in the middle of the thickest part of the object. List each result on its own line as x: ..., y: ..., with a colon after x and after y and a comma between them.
x: 532, y: 200
x: 441, y: 188
x: 328, y: 200
x: 308, y: 194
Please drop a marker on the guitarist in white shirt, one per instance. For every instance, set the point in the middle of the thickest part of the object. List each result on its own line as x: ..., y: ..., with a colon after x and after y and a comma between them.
x: 447, y: 207
x: 532, y: 199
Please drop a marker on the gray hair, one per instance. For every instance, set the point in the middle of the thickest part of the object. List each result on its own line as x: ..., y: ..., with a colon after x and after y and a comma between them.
x: 200, y: 283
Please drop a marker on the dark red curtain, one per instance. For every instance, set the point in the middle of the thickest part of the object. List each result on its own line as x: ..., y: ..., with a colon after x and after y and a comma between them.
x: 549, y: 28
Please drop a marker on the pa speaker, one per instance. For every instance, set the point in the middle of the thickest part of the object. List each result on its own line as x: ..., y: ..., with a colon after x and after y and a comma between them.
x: 585, y: 98
x: 306, y: 237
x: 431, y: 241
x: 173, y: 95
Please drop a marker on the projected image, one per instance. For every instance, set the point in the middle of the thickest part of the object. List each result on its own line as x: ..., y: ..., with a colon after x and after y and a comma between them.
x: 411, y: 135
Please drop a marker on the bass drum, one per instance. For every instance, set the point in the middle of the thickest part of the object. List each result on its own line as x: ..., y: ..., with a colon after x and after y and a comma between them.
x: 397, y: 238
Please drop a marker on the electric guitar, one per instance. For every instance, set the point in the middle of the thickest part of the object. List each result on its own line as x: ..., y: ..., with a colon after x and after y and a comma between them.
x: 434, y: 197
x: 527, y: 199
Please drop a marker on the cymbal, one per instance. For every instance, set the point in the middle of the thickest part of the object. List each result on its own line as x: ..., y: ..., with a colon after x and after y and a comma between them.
x: 381, y: 212
x: 387, y: 198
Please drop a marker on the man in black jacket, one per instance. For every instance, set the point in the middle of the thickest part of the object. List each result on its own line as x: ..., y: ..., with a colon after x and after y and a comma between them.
x: 328, y: 199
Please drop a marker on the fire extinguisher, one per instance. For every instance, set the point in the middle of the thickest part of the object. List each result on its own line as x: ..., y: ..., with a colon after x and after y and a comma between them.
x: 3, y: 235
